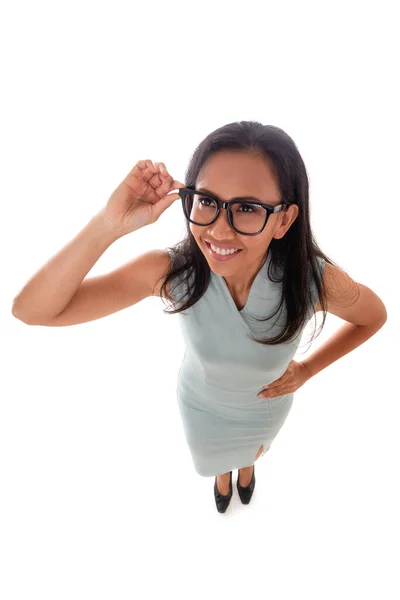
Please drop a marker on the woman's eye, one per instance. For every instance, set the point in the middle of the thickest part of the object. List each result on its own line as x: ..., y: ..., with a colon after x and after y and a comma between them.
x: 247, y: 206
x: 200, y: 200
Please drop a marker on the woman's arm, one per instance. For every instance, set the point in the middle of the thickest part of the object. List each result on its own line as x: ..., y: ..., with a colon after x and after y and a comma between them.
x: 355, y: 303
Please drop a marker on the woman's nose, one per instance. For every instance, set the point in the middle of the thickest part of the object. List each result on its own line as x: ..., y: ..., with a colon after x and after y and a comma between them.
x: 221, y: 224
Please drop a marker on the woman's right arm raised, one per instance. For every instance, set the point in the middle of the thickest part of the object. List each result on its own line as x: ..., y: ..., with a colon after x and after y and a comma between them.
x: 58, y: 294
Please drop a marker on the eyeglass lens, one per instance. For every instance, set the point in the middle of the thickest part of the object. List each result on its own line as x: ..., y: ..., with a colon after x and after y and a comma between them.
x: 246, y: 217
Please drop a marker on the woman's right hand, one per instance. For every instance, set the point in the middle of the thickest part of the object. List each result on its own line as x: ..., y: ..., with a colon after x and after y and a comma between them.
x: 141, y: 197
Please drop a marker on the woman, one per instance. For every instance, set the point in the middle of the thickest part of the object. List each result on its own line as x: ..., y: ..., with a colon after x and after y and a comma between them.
x: 245, y: 280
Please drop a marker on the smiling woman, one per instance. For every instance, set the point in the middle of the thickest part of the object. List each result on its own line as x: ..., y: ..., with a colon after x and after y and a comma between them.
x: 245, y: 280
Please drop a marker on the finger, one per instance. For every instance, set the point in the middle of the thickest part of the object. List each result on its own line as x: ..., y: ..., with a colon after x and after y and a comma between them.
x: 144, y: 169
x: 162, y: 189
x: 271, y: 386
x: 178, y: 184
x: 167, y: 184
x: 150, y: 164
x: 278, y: 382
x: 157, y: 178
x: 166, y: 177
x: 154, y: 181
x: 162, y: 171
x: 160, y: 167
x: 275, y: 394
x: 266, y: 395
x: 173, y: 182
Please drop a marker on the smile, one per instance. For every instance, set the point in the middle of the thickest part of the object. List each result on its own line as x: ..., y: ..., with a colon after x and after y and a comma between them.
x: 222, y: 254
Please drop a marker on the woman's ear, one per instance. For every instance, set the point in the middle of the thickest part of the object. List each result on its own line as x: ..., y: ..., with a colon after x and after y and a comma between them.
x: 288, y: 216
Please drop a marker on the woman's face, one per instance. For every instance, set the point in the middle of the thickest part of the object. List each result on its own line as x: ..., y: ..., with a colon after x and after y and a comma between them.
x: 231, y: 174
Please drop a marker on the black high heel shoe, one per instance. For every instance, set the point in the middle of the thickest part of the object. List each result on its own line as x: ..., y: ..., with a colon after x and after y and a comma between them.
x: 222, y: 501
x: 246, y: 493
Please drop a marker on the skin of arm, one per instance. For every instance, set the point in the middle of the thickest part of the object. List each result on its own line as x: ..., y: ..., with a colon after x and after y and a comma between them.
x: 355, y: 303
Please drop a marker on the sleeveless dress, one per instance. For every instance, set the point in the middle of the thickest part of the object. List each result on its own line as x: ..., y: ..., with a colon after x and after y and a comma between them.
x: 223, y: 370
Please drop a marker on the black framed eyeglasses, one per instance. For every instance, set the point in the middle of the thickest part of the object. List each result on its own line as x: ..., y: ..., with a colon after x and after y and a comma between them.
x: 246, y: 217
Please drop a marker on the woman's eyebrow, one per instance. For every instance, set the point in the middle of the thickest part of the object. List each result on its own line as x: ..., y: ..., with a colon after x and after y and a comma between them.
x: 202, y: 189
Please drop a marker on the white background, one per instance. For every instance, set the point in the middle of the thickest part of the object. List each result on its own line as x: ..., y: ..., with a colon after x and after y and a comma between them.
x: 99, y: 497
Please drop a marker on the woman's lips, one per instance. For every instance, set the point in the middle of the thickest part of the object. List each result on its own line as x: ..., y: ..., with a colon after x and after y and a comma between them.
x: 221, y: 257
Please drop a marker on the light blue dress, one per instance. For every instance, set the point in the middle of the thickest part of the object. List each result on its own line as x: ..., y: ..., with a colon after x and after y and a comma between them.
x: 223, y: 370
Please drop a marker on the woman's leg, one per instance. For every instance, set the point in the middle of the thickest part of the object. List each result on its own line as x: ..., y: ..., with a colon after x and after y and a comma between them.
x: 244, y: 477
x: 246, y: 474
x: 223, y: 483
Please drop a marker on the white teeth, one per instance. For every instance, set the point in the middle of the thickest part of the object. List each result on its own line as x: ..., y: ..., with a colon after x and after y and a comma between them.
x: 223, y: 252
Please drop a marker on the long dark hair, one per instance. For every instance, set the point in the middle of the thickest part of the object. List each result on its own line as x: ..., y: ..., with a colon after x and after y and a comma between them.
x: 294, y: 254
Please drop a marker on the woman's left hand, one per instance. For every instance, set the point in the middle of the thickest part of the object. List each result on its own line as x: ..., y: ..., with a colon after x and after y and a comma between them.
x: 293, y: 378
